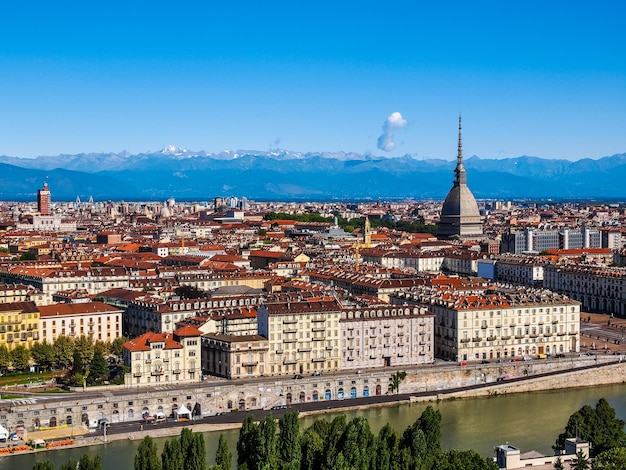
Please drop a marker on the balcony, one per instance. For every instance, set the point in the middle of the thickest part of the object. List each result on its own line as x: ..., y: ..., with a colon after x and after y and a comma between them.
x: 498, y: 326
x: 318, y: 338
x: 387, y: 335
x: 148, y: 361
x: 290, y: 361
x: 290, y: 331
x: 477, y: 339
x: 534, y: 335
x: 249, y: 363
x: 306, y: 349
x: 491, y: 338
x: 547, y: 335
x: 519, y: 336
x: 561, y: 334
x: 318, y: 329
x: 166, y: 359
x: 290, y: 340
x: 573, y: 333
x: 279, y: 351
x: 318, y: 359
x: 483, y: 327
x: 318, y: 319
x: 157, y: 372
x: 136, y: 374
x: 176, y: 371
x: 289, y: 322
x: 465, y: 340
x: 554, y: 322
x: 329, y: 348
x: 506, y: 337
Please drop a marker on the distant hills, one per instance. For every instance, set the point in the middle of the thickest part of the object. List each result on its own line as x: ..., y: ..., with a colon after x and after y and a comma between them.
x: 283, y: 175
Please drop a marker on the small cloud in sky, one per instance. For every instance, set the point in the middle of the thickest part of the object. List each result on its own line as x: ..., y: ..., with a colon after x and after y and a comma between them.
x: 394, y: 122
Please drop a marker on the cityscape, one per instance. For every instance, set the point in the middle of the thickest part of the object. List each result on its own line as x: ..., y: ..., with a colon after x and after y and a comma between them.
x: 256, y: 306
x: 326, y: 236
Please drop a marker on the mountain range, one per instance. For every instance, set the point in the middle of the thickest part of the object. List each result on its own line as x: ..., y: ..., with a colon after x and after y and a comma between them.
x: 284, y: 175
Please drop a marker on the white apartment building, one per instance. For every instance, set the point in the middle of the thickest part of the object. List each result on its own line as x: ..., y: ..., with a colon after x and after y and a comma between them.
x: 597, y: 288
x: 50, y: 280
x: 164, y: 358
x: 499, y: 323
x: 303, y: 335
x: 96, y: 320
x: 520, y: 269
x: 386, y: 336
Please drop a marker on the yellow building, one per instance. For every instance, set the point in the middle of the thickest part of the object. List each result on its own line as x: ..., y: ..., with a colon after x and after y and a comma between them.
x: 19, y: 324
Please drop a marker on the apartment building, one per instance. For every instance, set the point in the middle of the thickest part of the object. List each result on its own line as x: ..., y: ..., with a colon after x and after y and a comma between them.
x: 96, y: 320
x: 303, y: 335
x: 500, y: 323
x: 597, y: 288
x: 234, y: 356
x: 19, y: 324
x: 164, y: 358
x: 386, y: 336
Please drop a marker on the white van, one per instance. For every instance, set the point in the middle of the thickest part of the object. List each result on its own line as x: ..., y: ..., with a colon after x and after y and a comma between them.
x: 160, y: 417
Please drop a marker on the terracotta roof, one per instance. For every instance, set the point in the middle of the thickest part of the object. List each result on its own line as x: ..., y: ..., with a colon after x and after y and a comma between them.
x: 76, y: 309
x: 142, y: 343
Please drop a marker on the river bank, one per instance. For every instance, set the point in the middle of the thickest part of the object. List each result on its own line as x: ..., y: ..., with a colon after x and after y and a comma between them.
x: 601, y: 375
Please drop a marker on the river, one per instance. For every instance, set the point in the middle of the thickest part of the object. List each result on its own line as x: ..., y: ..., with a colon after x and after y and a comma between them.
x: 530, y: 421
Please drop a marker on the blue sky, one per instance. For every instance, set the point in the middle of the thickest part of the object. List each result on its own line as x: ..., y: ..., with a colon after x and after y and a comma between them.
x: 546, y: 79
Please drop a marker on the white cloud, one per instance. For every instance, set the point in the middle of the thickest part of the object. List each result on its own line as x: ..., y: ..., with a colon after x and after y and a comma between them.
x: 392, y: 123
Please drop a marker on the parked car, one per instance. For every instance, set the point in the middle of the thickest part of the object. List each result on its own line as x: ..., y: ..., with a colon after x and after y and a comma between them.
x: 317, y: 372
x: 297, y: 376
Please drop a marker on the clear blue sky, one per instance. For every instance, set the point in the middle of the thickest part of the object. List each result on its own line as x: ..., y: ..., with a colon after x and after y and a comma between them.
x: 542, y: 78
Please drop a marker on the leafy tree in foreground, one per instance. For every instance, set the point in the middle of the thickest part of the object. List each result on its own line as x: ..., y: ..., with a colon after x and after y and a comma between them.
x: 146, y: 457
x: 246, y: 442
x: 98, y: 370
x: 20, y: 358
x: 43, y: 354
x: 172, y: 457
x: 581, y: 462
x: 599, y: 426
x: 117, y: 346
x: 71, y: 465
x: 88, y: 462
x: 289, y: 441
x: 44, y: 465
x: 612, y: 459
x: 558, y: 464
x: 223, y: 456
x: 463, y: 460
x: 63, y: 351
x: 5, y: 358
x: 357, y: 443
x: 266, y: 452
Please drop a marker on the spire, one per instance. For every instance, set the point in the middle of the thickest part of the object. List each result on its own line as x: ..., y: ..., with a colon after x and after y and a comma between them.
x: 460, y: 176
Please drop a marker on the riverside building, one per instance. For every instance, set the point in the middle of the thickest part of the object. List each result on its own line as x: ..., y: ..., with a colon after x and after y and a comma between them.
x: 499, y: 323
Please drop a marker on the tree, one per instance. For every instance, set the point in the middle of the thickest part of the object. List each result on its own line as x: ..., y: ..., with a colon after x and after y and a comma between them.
x: 146, y: 457
x: 43, y: 354
x: 430, y: 423
x: 20, y: 358
x: 172, y: 457
x: 43, y: 465
x: 266, y: 452
x: 28, y: 256
x: 71, y: 465
x: 463, y: 460
x: 395, y: 380
x: 88, y: 462
x: 611, y: 459
x: 103, y: 347
x: 599, y: 426
x: 117, y: 346
x: 5, y: 358
x: 558, y: 464
x: 98, y: 370
x: 189, y: 292
x: 581, y: 462
x: 289, y: 440
x: 312, y: 449
x: 357, y: 444
x: 196, y: 456
x: 83, y: 352
x: 223, y: 456
x: 63, y: 348
x: 248, y: 436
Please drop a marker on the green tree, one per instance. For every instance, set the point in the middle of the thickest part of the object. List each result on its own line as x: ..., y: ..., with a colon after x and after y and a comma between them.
x: 117, y: 346
x: 88, y: 462
x: 266, y: 454
x: 98, y: 370
x: 83, y: 351
x: 71, y: 465
x: 103, y: 347
x: 63, y: 348
x: 146, y: 457
x: 357, y: 444
x: 20, y: 358
x: 172, y: 456
x: 289, y: 441
x: 5, y: 358
x: 248, y: 437
x: 600, y: 426
x: 581, y: 462
x: 43, y: 354
x: 223, y: 455
x: 463, y: 460
x: 395, y: 380
x: 430, y: 423
x: 28, y: 256
x: 332, y: 441
x: 611, y: 459
x: 189, y: 292
x: 386, y: 448
x: 558, y: 464
x: 43, y: 465
x: 312, y: 450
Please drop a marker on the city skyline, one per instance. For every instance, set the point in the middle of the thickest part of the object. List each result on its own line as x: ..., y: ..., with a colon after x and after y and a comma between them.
x: 546, y: 81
